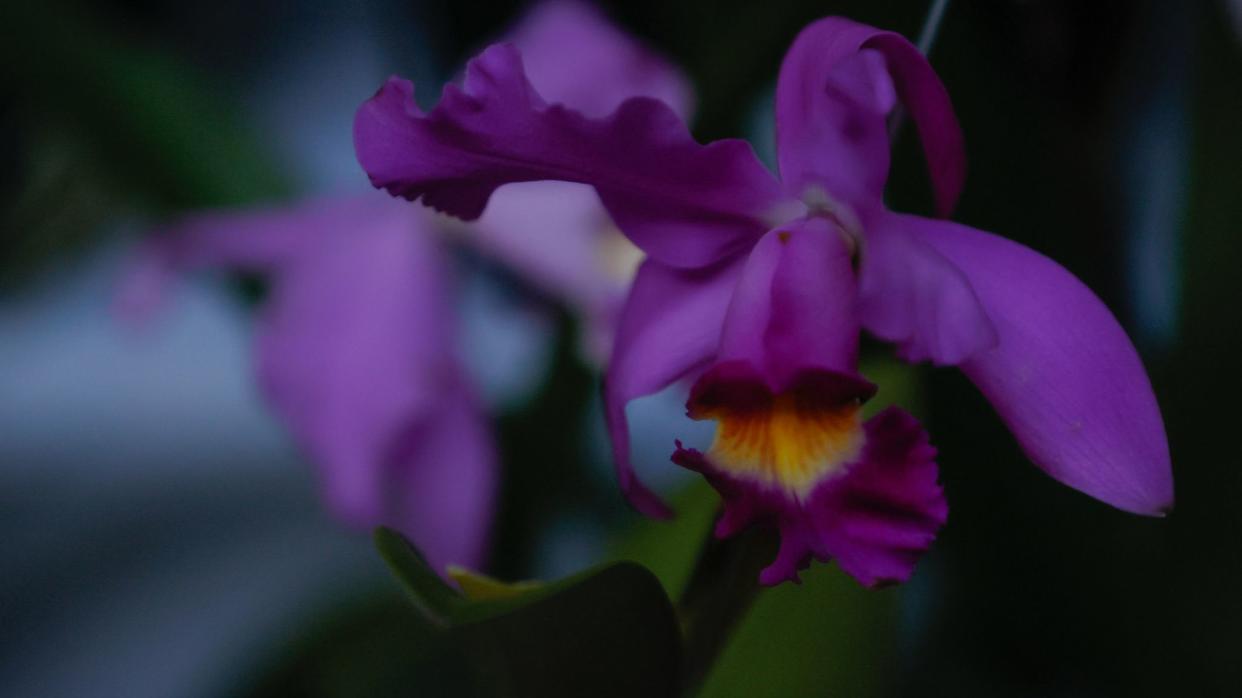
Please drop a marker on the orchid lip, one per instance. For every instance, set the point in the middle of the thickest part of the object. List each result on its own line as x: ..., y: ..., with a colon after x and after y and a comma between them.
x: 875, y: 514
x: 790, y: 444
x: 789, y: 439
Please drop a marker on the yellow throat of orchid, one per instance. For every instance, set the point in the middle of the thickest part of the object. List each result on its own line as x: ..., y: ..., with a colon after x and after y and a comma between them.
x: 793, y: 442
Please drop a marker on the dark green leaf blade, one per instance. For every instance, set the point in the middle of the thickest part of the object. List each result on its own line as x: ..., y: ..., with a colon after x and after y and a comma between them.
x: 608, y: 631
x: 437, y: 601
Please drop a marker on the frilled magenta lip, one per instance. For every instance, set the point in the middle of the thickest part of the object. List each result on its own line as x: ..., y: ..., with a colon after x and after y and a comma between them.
x: 788, y: 440
x: 875, y: 515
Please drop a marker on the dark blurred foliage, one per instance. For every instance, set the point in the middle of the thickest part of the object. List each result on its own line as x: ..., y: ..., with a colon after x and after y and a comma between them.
x: 1032, y: 589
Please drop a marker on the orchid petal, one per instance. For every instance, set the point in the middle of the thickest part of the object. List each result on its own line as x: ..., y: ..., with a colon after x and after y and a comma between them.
x: 1064, y: 376
x: 355, y: 346
x: 256, y: 240
x: 685, y: 204
x: 794, y: 307
x: 833, y: 97
x: 558, y: 237
x: 551, y: 234
x: 443, y: 480
x: 669, y: 327
x: 876, y: 519
x: 607, y: 66
x: 355, y: 354
x: 910, y: 295
x: 879, y: 518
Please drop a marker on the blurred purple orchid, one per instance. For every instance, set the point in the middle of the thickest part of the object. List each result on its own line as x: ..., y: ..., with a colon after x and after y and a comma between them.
x: 558, y: 235
x: 355, y: 351
x: 355, y: 347
x: 759, y: 287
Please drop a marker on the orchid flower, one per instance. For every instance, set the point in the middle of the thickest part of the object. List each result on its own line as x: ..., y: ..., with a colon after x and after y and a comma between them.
x: 355, y: 342
x: 757, y: 287
x: 355, y: 352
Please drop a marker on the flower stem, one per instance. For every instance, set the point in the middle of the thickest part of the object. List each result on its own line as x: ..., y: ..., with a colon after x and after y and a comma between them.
x: 926, y: 40
x: 721, y: 589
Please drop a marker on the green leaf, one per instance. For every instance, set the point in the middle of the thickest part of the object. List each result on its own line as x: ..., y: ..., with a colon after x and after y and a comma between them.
x: 438, y: 602
x: 608, y: 631
x: 480, y: 587
x: 373, y: 644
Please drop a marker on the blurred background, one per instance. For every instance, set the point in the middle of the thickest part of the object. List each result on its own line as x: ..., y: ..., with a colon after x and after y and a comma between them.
x: 165, y: 536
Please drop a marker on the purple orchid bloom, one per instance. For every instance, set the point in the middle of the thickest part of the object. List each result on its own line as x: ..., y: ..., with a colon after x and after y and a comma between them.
x: 758, y: 287
x: 355, y: 352
x: 355, y: 348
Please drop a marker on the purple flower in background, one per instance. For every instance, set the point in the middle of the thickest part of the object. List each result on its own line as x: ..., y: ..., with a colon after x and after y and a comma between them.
x: 760, y: 286
x: 557, y: 235
x: 355, y: 351
x: 355, y: 347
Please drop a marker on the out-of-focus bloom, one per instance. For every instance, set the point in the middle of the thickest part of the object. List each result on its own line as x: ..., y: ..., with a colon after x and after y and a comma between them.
x: 557, y: 235
x: 355, y: 345
x: 760, y: 286
x: 355, y: 352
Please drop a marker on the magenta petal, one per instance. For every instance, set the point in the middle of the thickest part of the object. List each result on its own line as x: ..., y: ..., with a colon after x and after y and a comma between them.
x: 606, y: 66
x: 669, y: 327
x: 876, y: 519
x: 552, y: 234
x: 443, y: 481
x: 909, y: 294
x: 558, y: 237
x: 685, y: 204
x: 833, y: 97
x: 355, y: 354
x: 1064, y: 377
x: 795, y: 307
x: 355, y: 347
x: 881, y: 516
x: 255, y: 240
